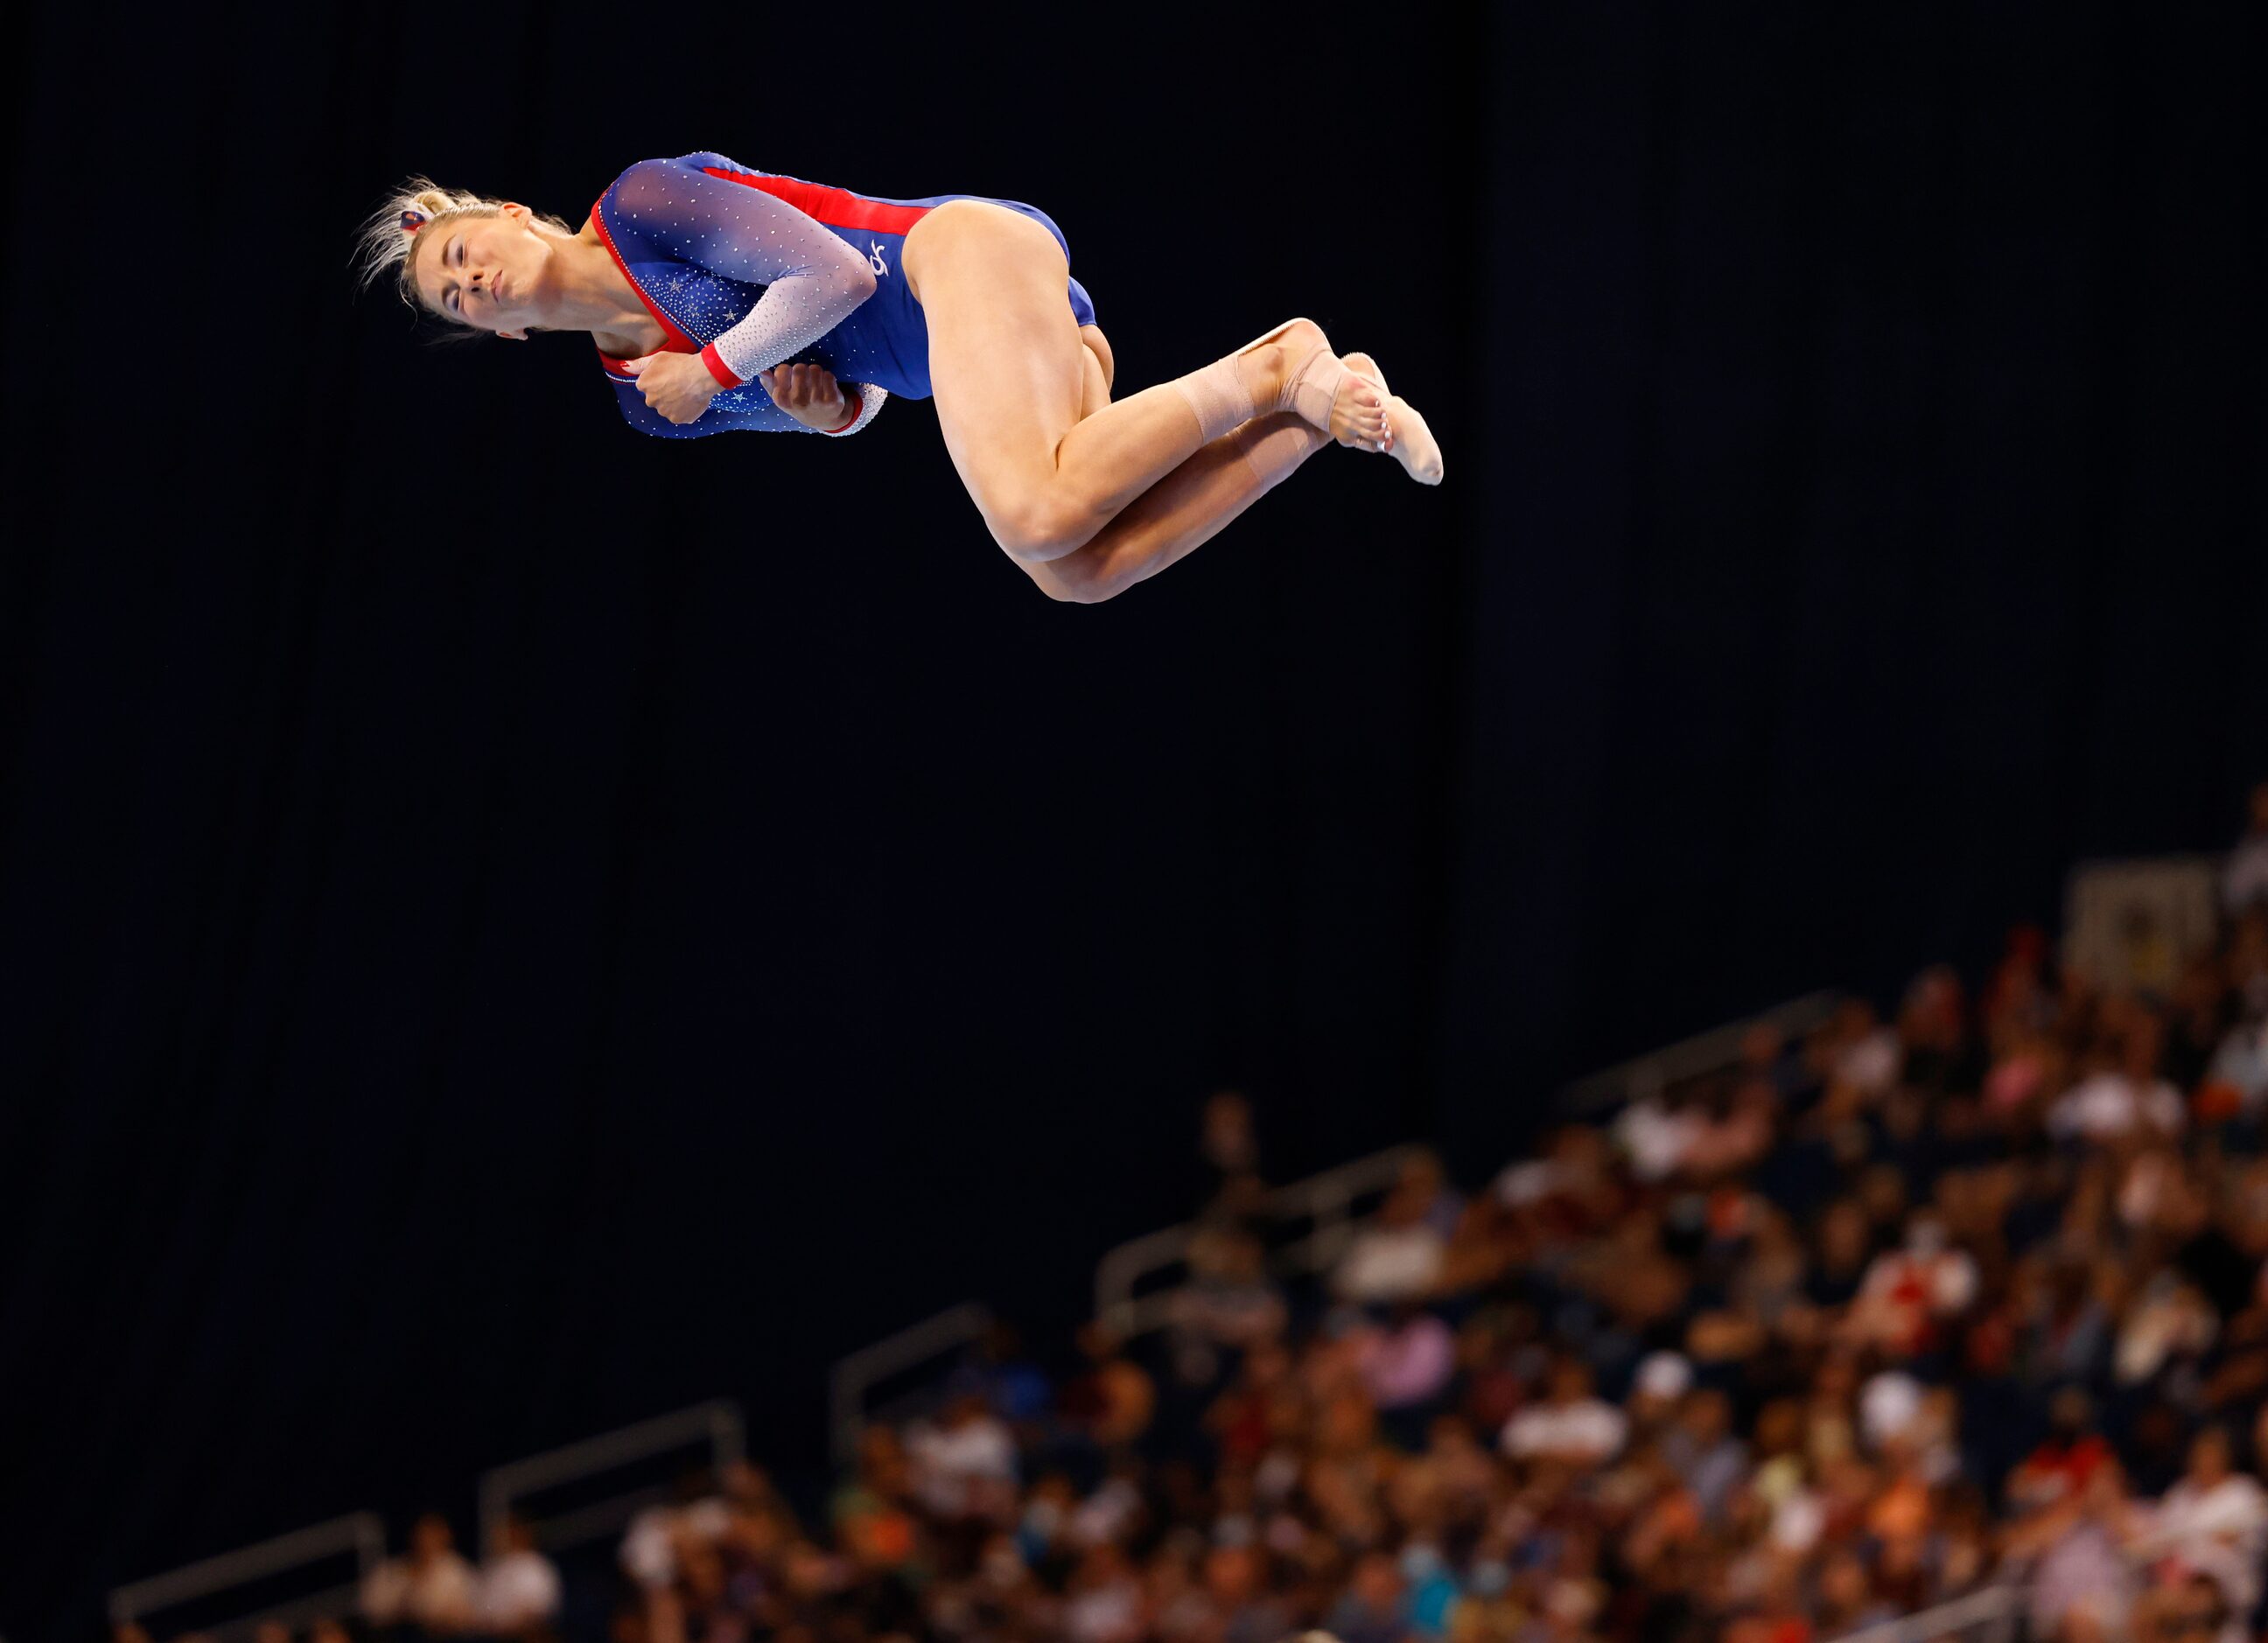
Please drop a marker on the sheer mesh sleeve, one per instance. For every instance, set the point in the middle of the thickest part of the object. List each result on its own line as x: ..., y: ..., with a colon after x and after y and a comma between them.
x: 812, y: 279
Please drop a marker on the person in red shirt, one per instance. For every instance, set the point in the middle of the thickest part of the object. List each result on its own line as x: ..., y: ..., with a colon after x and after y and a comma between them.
x: 2065, y: 1460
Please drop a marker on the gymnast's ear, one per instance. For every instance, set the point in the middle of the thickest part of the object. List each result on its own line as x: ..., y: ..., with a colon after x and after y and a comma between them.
x: 513, y: 337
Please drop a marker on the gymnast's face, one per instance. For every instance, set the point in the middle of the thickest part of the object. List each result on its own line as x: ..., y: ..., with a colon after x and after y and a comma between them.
x: 486, y: 272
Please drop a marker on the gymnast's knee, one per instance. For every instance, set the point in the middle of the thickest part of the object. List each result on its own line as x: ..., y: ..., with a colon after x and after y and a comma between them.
x: 1041, y: 527
x: 1074, y: 579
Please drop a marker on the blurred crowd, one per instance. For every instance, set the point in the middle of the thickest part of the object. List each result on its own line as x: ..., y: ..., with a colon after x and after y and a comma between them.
x: 1970, y: 1295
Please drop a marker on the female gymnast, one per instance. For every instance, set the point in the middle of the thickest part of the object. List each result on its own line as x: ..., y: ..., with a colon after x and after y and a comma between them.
x: 722, y: 297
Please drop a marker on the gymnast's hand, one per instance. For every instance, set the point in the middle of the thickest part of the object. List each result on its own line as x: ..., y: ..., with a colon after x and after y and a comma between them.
x: 809, y: 394
x: 678, y: 386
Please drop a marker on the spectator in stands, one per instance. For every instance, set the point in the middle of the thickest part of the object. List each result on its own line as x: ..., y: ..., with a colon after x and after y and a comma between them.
x: 2082, y: 1588
x: 1229, y: 1300
x: 1246, y: 1609
x: 1862, y: 1052
x: 2190, y: 1609
x: 2240, y: 1067
x: 2215, y: 1519
x: 1112, y: 1403
x: 1702, y: 1449
x: 518, y: 1596
x: 1104, y: 1601
x: 430, y: 1590
x: 1657, y: 1135
x: 1406, y: 1363
x: 2123, y: 1097
x: 1911, y: 1294
x: 964, y: 1464
x: 1657, y: 1389
x: 872, y: 1512
x: 1371, y: 1609
x: 655, y: 1546
x: 1009, y: 1380
x: 1235, y: 1193
x: 1427, y: 1184
x: 2059, y: 1468
x: 1832, y: 1286
x: 1571, y: 1424
x: 2244, y: 879
x: 1400, y: 1257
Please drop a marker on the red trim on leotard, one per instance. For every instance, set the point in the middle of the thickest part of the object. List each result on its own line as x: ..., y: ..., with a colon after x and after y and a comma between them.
x: 727, y: 377
x: 678, y: 343
x: 837, y: 208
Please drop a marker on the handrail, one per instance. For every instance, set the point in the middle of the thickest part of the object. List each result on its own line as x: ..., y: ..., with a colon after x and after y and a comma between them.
x: 2001, y: 1602
x: 859, y: 1373
x: 1651, y: 1073
x: 362, y: 1533
x: 719, y: 1421
x: 1327, y: 1198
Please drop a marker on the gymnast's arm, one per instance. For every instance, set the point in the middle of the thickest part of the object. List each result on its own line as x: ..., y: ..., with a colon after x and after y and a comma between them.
x: 750, y: 408
x: 812, y: 279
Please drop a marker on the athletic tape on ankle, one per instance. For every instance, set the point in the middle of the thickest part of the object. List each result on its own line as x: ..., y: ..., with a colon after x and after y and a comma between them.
x: 1217, y: 394
x: 1272, y: 454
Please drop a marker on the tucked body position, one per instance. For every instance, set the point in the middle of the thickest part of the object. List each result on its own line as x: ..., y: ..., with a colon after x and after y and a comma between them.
x: 723, y: 298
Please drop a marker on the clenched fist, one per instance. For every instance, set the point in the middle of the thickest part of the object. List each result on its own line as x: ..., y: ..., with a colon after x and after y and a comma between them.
x: 809, y: 394
x: 678, y: 386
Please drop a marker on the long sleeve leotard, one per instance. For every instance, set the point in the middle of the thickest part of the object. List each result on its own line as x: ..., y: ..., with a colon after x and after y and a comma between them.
x: 751, y: 270
x: 738, y: 276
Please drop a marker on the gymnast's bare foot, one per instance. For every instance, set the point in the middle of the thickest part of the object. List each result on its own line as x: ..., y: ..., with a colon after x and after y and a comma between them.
x: 1292, y: 368
x: 1408, y: 439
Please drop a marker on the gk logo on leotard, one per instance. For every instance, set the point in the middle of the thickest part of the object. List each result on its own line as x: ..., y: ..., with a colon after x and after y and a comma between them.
x: 874, y: 257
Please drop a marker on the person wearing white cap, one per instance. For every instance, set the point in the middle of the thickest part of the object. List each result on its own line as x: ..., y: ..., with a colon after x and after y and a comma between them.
x: 1662, y: 1379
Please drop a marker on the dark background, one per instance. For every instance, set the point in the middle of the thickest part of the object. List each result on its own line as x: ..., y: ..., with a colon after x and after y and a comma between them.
x: 508, y: 926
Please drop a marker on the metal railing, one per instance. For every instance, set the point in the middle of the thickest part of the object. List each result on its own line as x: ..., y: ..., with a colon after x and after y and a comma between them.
x: 1993, y: 1615
x: 1326, y: 1201
x: 362, y: 1534
x: 718, y: 1422
x: 858, y: 1375
x: 1711, y: 1052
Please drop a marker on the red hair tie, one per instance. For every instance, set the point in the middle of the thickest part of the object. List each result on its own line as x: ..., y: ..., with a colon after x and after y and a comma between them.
x: 413, y: 220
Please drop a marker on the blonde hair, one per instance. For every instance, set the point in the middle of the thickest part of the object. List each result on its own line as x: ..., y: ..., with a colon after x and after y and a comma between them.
x: 385, y: 245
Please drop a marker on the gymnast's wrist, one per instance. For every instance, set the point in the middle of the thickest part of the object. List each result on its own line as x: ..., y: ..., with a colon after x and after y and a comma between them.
x: 727, y: 377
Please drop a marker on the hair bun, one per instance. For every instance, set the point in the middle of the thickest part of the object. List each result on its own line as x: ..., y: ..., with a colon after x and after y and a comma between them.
x: 383, y: 246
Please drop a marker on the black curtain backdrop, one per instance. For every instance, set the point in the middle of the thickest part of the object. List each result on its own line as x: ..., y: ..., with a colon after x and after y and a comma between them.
x: 509, y: 927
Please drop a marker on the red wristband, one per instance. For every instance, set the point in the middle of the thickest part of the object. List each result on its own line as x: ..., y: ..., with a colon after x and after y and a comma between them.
x: 856, y: 406
x: 718, y: 369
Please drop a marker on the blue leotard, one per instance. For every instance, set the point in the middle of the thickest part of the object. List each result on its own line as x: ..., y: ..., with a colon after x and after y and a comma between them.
x: 751, y: 270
